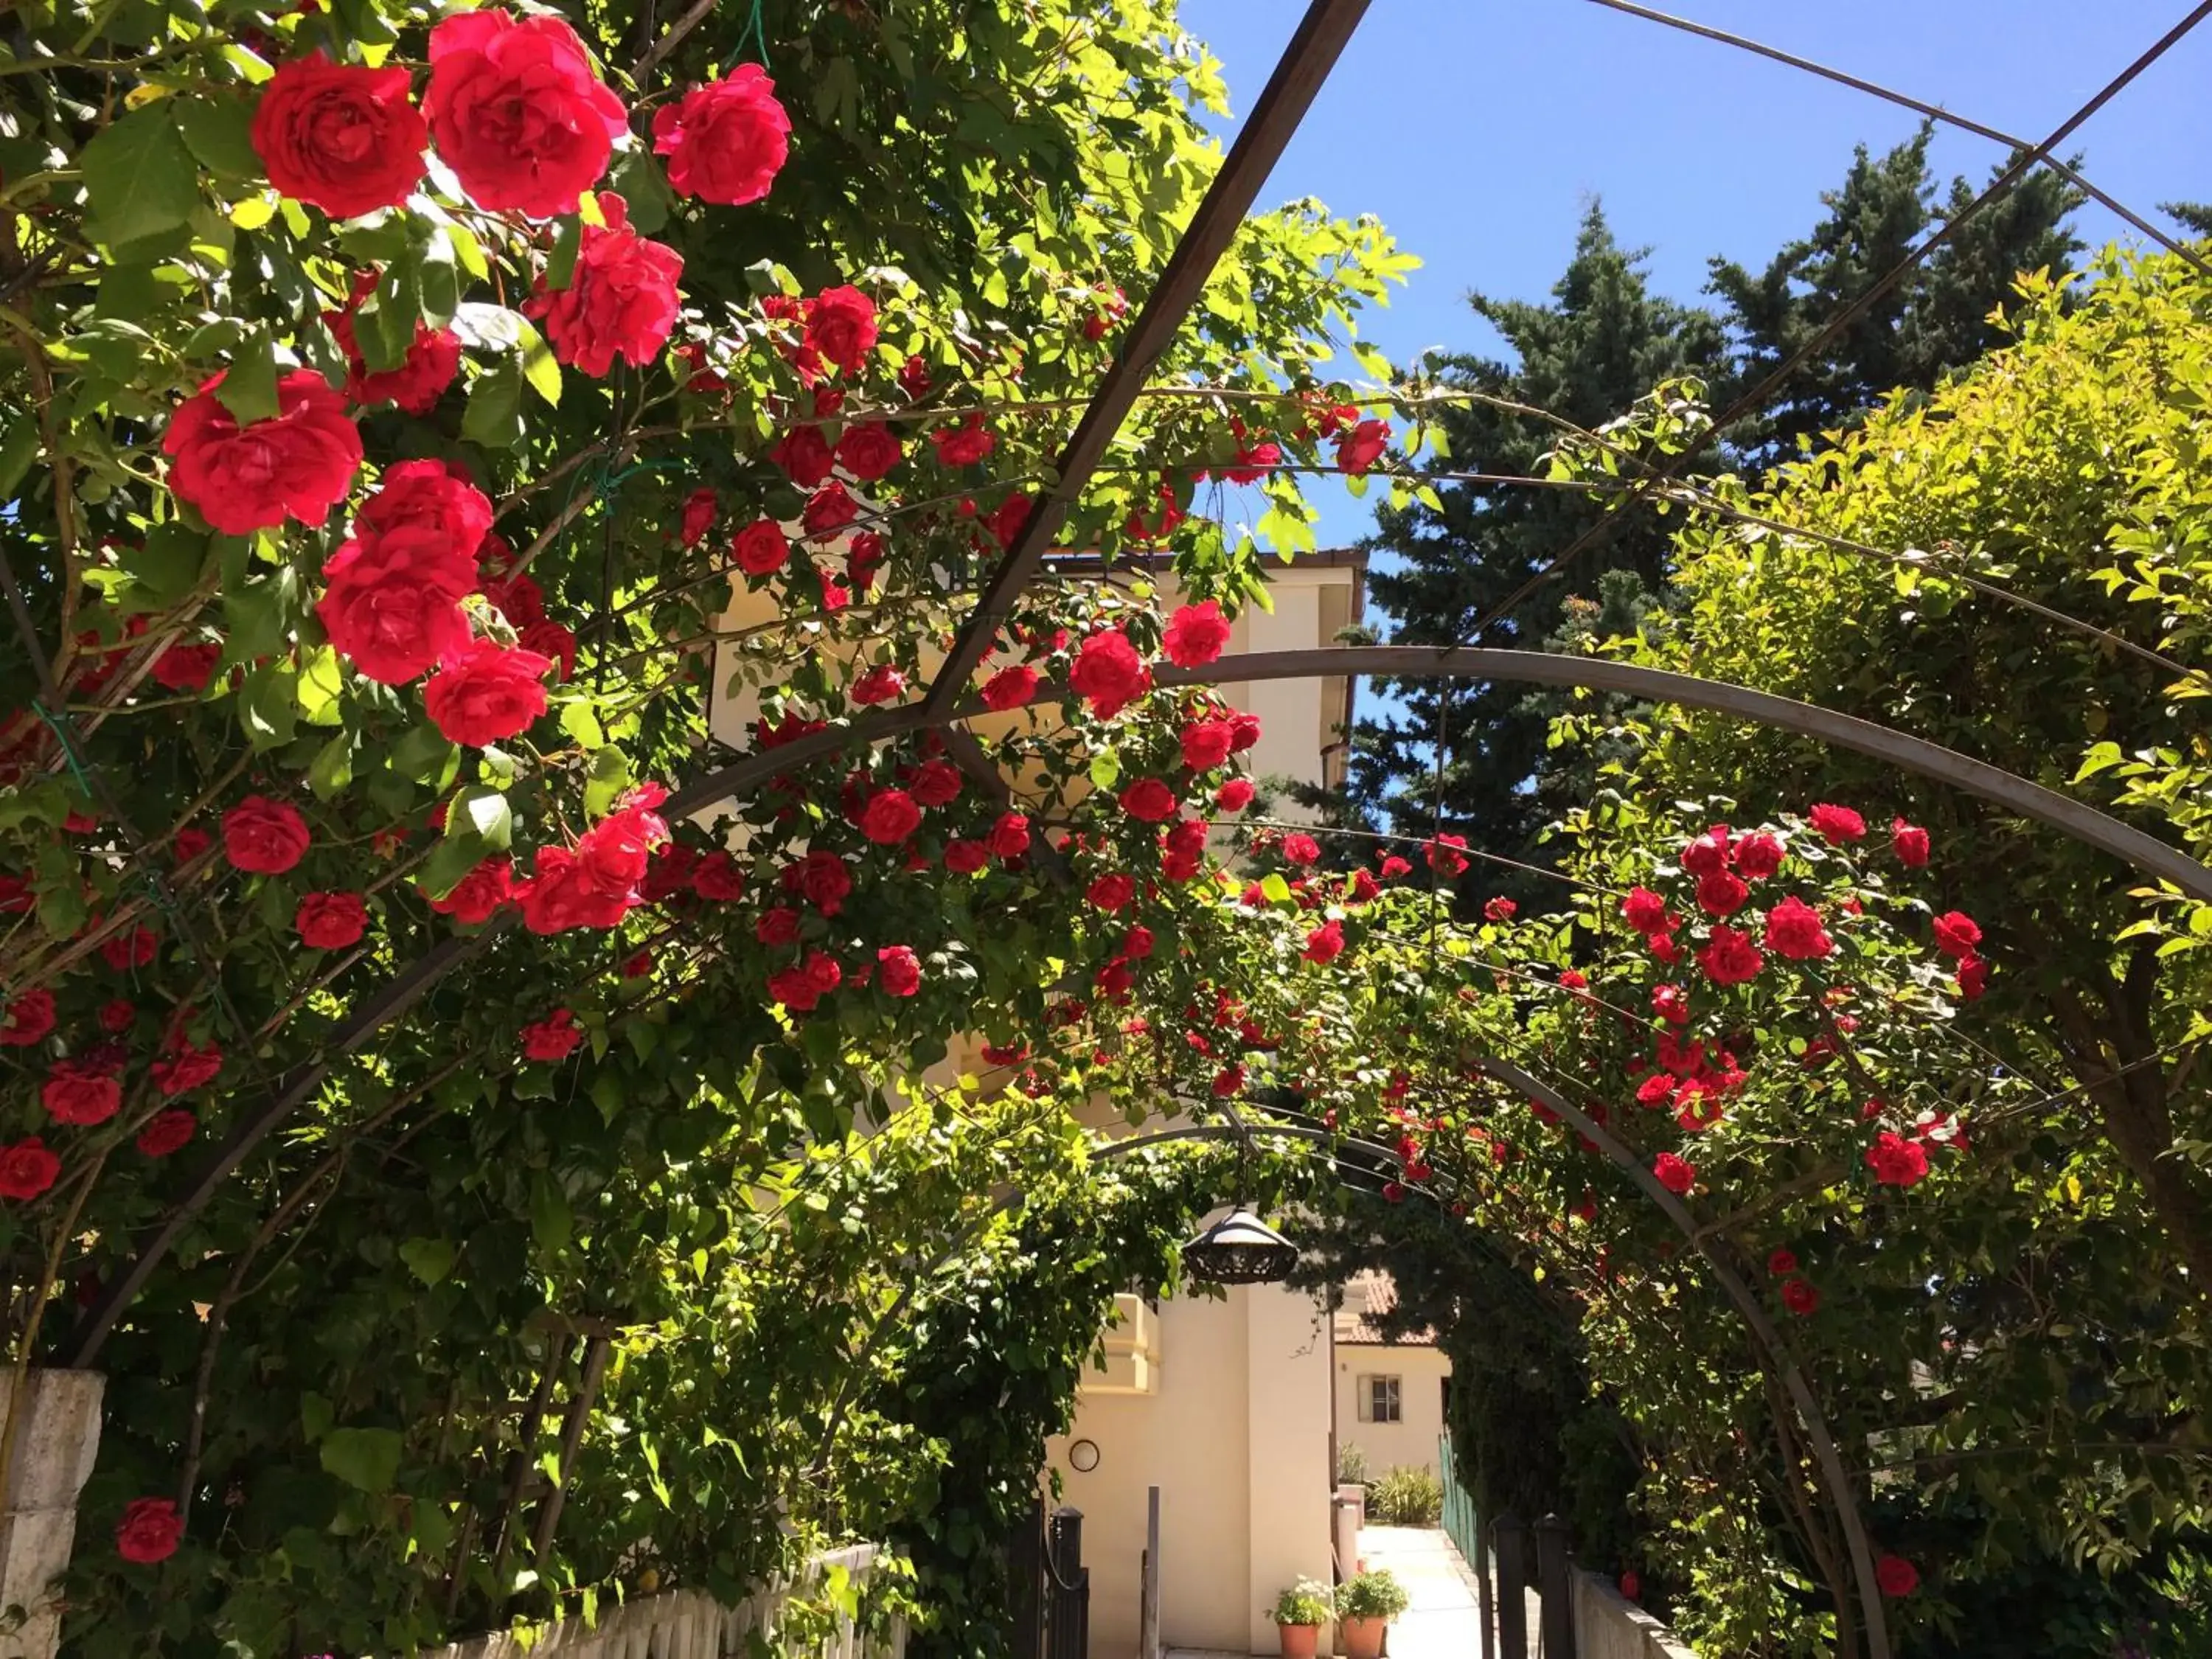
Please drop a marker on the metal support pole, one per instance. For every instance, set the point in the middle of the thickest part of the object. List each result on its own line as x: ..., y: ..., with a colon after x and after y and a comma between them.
x: 1511, y: 1540
x: 1555, y: 1582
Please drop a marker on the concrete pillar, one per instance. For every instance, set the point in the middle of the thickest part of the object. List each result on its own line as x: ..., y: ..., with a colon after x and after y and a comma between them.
x: 54, y: 1443
x: 1289, y: 1479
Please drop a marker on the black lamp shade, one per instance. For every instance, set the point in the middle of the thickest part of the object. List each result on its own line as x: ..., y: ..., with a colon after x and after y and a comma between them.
x: 1240, y: 1249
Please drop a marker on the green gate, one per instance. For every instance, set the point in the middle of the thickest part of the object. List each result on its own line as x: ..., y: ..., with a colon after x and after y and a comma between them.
x: 1460, y: 1521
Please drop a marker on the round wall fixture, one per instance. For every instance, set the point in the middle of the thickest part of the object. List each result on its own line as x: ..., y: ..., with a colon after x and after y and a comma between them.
x: 1082, y: 1457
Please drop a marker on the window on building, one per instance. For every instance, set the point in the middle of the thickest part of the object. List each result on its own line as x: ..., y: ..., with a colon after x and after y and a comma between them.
x: 1380, y: 1400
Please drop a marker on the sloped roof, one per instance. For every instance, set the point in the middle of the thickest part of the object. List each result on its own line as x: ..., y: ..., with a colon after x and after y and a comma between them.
x: 1369, y: 1296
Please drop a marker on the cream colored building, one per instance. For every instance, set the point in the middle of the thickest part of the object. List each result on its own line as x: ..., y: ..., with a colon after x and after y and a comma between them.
x: 1391, y: 1397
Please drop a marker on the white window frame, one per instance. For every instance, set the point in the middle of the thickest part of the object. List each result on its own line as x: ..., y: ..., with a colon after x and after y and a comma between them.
x: 1390, y: 1395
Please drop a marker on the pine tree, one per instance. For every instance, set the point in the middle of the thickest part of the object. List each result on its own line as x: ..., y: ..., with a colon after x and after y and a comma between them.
x: 1601, y: 342
x: 2195, y: 216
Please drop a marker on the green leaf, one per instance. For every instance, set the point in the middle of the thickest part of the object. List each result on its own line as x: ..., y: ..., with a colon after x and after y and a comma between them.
x: 468, y: 250
x: 332, y: 767
x: 219, y: 131
x: 429, y: 1259
x: 494, y: 416
x: 316, y: 1416
x: 18, y: 449
x: 485, y: 814
x: 538, y: 365
x: 1277, y: 889
x: 365, y: 1458
x: 322, y: 681
x: 139, y: 179
x: 550, y: 1222
x: 449, y: 861
x: 578, y: 720
x: 609, y: 777
x: 1105, y: 770
x: 249, y: 384
x: 167, y: 562
x: 560, y: 264
x: 269, y: 705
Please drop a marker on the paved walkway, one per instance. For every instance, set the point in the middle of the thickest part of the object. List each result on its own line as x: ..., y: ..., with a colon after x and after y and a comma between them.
x: 1443, y: 1622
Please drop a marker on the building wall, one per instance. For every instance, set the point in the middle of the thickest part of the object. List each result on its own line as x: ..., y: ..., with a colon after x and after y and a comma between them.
x: 1236, y: 1439
x: 1412, y: 1440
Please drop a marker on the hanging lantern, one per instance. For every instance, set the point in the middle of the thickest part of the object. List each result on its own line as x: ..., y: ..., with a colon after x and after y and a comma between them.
x: 1240, y: 1249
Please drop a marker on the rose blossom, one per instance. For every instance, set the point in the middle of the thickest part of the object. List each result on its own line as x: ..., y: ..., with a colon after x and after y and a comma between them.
x: 78, y: 1091
x: 882, y: 684
x: 1758, y: 856
x: 1195, y: 635
x: 517, y: 111
x: 1794, y: 930
x: 1895, y: 1161
x: 840, y: 326
x: 265, y: 837
x: 25, y: 1019
x: 963, y: 445
x: 1895, y: 1575
x: 1721, y: 893
x: 1910, y: 842
x: 898, y: 970
x: 1731, y: 958
x: 1206, y: 744
x: 1325, y: 943
x: 331, y: 922
x: 184, y: 1066
x: 869, y: 451
x: 1448, y: 855
x: 27, y: 1169
x: 339, y: 136
x: 554, y: 1037
x: 1108, y: 674
x: 1149, y: 800
x: 890, y: 815
x: 1837, y: 824
x: 759, y: 548
x: 1360, y: 448
x: 620, y: 300
x: 823, y: 881
x: 699, y: 509
x: 827, y: 511
x: 1009, y: 835
x: 935, y: 783
x: 433, y: 359
x: 725, y: 141
x: 1957, y: 934
x: 965, y: 858
x: 1677, y: 1177
x: 484, y: 692
x: 479, y: 893
x: 148, y: 1531
x: 1111, y: 892
x: 1800, y: 1297
x: 1646, y: 911
x: 1236, y: 795
x: 1709, y: 853
x: 167, y: 1132
x: 297, y: 463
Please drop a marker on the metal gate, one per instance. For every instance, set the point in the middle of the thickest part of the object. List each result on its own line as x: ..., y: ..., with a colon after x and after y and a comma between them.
x: 1051, y: 1587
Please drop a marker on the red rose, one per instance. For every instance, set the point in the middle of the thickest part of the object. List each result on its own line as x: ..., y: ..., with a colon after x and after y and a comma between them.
x: 699, y: 509
x: 118, y: 1015
x: 1361, y: 447
x: 331, y: 922
x: 963, y: 445
x: 1298, y: 847
x: 1111, y: 893
x: 841, y: 326
x: 882, y: 684
x: 298, y: 464
x: 191, y: 841
x: 869, y: 451
x: 393, y: 609
x: 620, y: 300
x: 1896, y: 1576
x: 1837, y: 824
x: 1108, y: 674
x: 935, y: 783
x: 1895, y: 1161
x: 1325, y: 943
x: 185, y: 667
x: 560, y: 894
x: 799, y: 988
x: 1674, y: 1175
x: 803, y: 454
x: 760, y: 549
x: 1149, y: 800
x: 27, y: 1169
x: 1009, y: 835
x: 167, y: 1132
x: 1010, y: 687
x: 1448, y: 855
x: 1794, y: 930
x: 1362, y: 888
x: 431, y: 503
x: 1709, y: 853
x: 1957, y: 934
x: 965, y: 858
x: 1781, y: 1263
x: 1910, y: 842
x: 483, y: 692
x: 184, y: 1068
x: 1973, y: 977
x: 1500, y: 910
x: 1645, y: 910
x: 1671, y: 1003
x: 1758, y: 856
x: 1236, y: 795
x: 78, y: 1091
x: 890, y: 817
x: 897, y: 970
x: 1206, y: 744
x: 478, y: 894
x: 555, y: 643
x: 1721, y: 894
x: 433, y: 359
x: 827, y: 511
x: 1731, y: 958
x: 554, y: 1037
x: 725, y: 141
x: 824, y: 881
x: 1007, y: 518
x: 25, y: 1019
x: 517, y: 113
x: 777, y: 927
x: 339, y: 136
x: 1800, y: 1297
x: 148, y: 1531
x: 264, y: 837
x: 1137, y: 943
x: 1195, y: 635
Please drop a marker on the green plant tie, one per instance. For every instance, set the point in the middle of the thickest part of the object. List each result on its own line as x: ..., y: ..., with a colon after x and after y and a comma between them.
x: 755, y: 30
x: 64, y: 734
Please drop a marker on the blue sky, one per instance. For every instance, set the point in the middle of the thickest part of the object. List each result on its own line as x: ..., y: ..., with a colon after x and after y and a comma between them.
x: 1477, y: 129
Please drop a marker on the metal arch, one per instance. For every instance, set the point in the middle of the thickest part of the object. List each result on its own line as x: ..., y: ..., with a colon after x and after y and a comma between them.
x: 1833, y: 1473
x: 2083, y: 821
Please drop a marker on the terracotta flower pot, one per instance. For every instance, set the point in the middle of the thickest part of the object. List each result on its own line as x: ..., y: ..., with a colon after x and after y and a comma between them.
x: 1298, y: 1640
x: 1363, y: 1637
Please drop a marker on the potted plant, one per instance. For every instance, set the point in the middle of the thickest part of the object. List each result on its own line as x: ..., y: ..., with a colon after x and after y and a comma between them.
x: 1364, y: 1607
x: 1299, y: 1613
